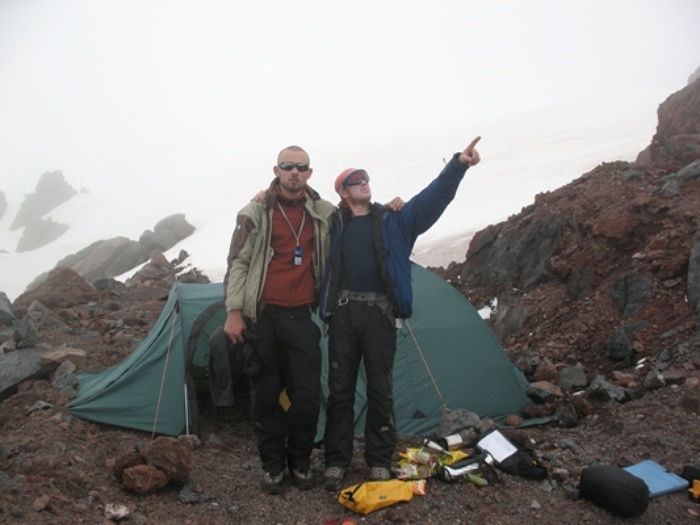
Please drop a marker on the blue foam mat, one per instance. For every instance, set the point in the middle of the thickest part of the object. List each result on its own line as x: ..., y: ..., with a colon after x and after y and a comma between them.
x: 658, y: 479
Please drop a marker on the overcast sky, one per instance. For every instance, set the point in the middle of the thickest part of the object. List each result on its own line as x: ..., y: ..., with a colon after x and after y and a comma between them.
x: 106, y: 90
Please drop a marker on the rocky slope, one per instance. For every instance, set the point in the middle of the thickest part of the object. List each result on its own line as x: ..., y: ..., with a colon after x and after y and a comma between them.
x: 606, y: 270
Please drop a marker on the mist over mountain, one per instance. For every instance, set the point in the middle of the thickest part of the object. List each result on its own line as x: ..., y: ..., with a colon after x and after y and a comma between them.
x: 523, y: 154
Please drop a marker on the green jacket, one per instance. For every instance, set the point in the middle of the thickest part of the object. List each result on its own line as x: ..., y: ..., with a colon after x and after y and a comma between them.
x: 250, y: 244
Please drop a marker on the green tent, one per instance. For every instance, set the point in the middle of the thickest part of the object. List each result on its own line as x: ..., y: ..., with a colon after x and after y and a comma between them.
x: 447, y: 357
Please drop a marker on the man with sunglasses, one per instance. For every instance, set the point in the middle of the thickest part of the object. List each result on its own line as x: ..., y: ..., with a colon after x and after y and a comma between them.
x: 366, y: 291
x: 276, y: 261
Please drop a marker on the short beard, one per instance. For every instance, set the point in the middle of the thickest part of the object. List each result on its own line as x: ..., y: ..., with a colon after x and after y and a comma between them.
x: 300, y: 190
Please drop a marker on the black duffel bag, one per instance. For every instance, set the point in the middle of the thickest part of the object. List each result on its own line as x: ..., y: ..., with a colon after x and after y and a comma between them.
x: 614, y: 489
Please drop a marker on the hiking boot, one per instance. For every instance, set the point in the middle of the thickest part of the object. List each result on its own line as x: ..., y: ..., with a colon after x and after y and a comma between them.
x: 302, y: 479
x: 272, y: 483
x: 333, y: 478
x: 379, y: 474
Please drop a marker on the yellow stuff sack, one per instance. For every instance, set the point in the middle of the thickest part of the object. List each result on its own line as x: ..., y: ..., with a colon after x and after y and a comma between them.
x: 369, y: 496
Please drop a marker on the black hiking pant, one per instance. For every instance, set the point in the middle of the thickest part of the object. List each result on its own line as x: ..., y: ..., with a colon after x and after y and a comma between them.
x: 360, y: 330
x: 286, y: 358
x: 227, y: 376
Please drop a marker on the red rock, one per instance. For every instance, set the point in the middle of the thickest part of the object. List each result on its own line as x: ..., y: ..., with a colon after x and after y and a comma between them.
x: 144, y: 479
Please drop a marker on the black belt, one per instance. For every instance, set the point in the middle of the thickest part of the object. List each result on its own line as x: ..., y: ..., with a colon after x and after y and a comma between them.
x: 371, y: 298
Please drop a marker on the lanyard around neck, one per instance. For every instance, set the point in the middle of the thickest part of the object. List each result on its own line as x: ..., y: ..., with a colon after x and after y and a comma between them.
x: 297, y: 235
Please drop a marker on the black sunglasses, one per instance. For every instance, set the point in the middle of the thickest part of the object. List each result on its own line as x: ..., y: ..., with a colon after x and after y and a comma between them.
x: 289, y: 166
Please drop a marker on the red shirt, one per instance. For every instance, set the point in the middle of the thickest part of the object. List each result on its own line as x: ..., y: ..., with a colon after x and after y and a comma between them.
x: 288, y: 284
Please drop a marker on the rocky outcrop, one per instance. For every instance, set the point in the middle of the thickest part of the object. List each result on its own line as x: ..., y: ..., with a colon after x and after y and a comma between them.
x: 695, y: 76
x: 106, y: 258
x: 51, y: 191
x: 40, y: 232
x: 112, y: 257
x: 606, y: 270
x: 34, y: 329
x: 166, y: 233
x: 8, y: 312
x: 676, y: 142
x: 520, y: 259
x: 64, y: 288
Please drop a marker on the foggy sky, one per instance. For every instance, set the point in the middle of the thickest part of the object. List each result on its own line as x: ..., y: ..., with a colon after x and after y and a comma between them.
x: 115, y: 91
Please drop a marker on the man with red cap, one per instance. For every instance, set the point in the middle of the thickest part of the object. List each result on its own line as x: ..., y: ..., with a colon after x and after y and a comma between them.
x: 366, y: 291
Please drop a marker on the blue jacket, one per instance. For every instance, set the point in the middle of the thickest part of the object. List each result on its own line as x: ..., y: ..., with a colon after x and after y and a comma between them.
x: 395, y: 234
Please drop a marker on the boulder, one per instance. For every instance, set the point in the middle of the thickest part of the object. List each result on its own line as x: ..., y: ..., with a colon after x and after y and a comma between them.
x: 518, y: 256
x: 8, y: 312
x: 632, y: 291
x: 170, y: 456
x: 61, y: 355
x: 95, y: 261
x: 62, y: 289
x: 20, y: 365
x: 144, y: 479
x: 572, y: 377
x: 166, y: 233
x: 113, y: 257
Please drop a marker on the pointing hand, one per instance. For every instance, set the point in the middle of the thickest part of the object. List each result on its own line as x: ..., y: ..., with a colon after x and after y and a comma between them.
x: 470, y: 156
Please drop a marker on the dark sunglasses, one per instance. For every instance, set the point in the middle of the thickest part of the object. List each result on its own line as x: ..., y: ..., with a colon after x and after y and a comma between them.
x: 289, y: 166
x: 355, y: 178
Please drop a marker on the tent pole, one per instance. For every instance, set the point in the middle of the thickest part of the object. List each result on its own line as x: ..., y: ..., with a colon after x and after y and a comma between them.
x: 187, y: 416
x: 425, y: 363
x: 165, y: 370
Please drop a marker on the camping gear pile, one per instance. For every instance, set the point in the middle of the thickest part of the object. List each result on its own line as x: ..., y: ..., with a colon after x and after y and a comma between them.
x: 477, y: 463
x: 624, y: 492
